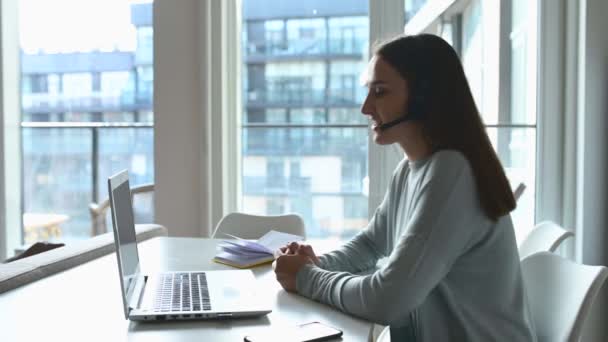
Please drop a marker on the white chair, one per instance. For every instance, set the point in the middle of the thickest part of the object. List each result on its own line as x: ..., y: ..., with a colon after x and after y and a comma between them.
x: 519, y: 191
x: 248, y: 226
x: 560, y: 294
x: 385, y: 335
x: 545, y: 237
x: 142, y: 197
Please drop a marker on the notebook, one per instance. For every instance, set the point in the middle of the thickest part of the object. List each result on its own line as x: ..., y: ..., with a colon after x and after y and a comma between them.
x: 243, y: 253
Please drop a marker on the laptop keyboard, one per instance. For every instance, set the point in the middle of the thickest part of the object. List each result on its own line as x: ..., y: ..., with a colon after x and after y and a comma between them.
x: 182, y: 292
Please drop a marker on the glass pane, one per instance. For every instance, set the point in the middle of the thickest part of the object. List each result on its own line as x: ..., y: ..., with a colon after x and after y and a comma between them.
x: 98, y: 74
x: 517, y: 151
x: 57, y: 182
x: 446, y: 31
x: 132, y: 149
x: 412, y: 7
x: 344, y: 86
x: 125, y: 148
x: 302, y: 62
x: 319, y: 173
x: 479, y: 59
x: 474, y: 55
x: 523, y: 62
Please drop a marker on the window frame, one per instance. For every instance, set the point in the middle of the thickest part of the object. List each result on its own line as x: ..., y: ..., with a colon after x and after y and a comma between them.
x: 386, y: 18
x: 10, y: 132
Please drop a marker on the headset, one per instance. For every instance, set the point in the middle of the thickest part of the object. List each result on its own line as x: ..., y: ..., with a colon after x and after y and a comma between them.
x: 419, y: 89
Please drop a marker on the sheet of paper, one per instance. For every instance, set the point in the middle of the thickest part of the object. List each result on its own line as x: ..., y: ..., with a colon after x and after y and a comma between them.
x: 274, y: 240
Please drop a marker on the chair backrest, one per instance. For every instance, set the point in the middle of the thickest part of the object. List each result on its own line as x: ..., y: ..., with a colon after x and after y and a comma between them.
x: 544, y: 237
x: 142, y: 197
x: 385, y: 335
x: 248, y: 226
x: 143, y: 209
x: 560, y: 294
x: 98, y: 212
x: 519, y: 191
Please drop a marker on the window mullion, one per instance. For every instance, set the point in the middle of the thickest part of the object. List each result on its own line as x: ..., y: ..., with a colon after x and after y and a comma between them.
x: 10, y: 133
x: 386, y: 19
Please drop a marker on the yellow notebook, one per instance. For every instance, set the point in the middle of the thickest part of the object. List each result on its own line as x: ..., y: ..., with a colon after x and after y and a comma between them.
x: 241, y: 262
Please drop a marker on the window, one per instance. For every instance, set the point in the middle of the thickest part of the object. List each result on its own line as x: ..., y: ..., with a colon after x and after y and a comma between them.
x: 87, y: 107
x: 510, y: 115
x: 38, y: 84
x: 345, y: 34
x: 412, y: 7
x: 304, y: 139
x: 303, y: 99
x: 96, y: 81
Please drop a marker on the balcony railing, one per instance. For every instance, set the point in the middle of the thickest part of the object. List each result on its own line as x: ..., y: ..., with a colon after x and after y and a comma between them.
x: 304, y: 139
x: 291, y: 186
x: 303, y: 97
x: 96, y: 101
x: 306, y: 47
x: 66, y: 166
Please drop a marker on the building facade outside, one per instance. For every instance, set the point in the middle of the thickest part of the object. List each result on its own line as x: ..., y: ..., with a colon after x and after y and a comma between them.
x: 304, y: 140
x: 86, y: 115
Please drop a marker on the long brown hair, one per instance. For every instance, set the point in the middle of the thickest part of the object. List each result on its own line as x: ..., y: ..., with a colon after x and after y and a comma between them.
x: 440, y: 94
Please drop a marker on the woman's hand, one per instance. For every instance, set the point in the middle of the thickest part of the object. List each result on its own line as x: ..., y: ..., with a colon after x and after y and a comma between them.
x: 286, y: 267
x: 295, y: 248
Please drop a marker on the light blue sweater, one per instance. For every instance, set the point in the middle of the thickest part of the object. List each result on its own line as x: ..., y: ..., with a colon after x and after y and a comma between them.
x: 452, y: 273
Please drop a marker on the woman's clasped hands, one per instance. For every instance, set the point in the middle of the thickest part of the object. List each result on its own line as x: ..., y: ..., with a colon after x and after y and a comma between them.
x: 289, y: 260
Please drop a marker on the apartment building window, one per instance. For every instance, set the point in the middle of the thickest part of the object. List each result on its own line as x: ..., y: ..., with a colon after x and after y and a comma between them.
x: 95, y: 81
x: 38, y: 84
x: 87, y: 108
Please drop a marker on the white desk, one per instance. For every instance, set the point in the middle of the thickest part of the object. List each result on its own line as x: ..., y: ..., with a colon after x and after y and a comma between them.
x: 59, y: 308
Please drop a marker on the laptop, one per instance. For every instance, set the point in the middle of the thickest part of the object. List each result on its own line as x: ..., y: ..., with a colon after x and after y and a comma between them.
x: 174, y: 295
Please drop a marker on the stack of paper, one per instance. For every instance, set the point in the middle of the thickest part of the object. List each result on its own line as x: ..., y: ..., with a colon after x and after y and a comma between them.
x: 243, y: 253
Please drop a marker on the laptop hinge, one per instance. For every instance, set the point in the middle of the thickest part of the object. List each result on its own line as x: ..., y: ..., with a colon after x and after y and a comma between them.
x: 138, y: 292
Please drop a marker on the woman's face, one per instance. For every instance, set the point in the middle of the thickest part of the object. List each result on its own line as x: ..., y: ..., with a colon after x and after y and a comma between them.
x: 386, y: 101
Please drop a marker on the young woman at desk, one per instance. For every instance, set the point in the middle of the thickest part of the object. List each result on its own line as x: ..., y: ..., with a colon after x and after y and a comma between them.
x: 453, y: 271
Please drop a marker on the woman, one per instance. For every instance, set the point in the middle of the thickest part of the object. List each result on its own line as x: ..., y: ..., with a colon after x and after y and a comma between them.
x: 453, y: 271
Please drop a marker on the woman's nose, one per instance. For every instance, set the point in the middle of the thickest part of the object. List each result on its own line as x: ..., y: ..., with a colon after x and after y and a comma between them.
x: 367, y: 107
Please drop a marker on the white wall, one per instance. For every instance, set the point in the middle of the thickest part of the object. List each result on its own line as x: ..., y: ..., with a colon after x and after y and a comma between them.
x: 178, y: 140
x: 593, y: 155
x: 196, y: 102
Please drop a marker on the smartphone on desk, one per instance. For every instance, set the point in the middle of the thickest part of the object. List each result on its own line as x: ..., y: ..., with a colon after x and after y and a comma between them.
x: 308, y: 332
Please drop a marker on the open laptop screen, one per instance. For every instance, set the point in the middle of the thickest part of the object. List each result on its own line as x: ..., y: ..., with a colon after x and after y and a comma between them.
x: 124, y: 231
